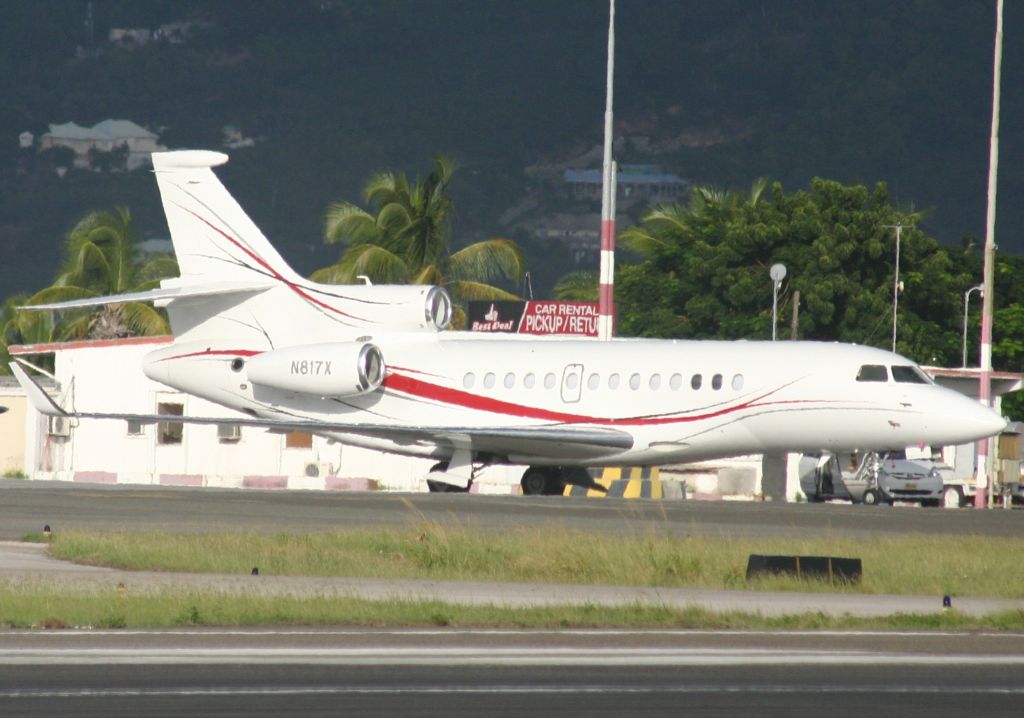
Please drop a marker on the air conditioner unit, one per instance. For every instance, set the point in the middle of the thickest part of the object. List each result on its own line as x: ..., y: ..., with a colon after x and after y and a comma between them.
x: 319, y: 468
x: 229, y: 432
x: 59, y: 426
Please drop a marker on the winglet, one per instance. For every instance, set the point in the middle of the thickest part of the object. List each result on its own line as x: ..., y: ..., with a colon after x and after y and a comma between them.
x: 35, y: 393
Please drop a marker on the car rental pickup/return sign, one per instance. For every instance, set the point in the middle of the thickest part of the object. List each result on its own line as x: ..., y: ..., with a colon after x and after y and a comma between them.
x: 534, y: 317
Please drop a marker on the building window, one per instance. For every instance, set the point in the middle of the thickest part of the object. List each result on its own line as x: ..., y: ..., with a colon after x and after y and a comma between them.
x: 298, y: 440
x: 169, y: 432
x: 135, y: 428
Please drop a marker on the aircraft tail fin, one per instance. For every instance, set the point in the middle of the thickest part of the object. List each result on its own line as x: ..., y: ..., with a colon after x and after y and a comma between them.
x: 214, y: 239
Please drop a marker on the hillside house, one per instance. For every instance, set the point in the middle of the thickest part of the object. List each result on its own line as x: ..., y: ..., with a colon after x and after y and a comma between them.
x: 105, y: 136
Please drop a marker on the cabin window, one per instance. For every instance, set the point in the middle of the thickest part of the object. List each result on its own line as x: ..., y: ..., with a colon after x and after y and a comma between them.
x: 716, y: 382
x: 170, y: 432
x: 634, y: 382
x: 908, y: 375
x: 695, y: 381
x: 510, y: 380
x: 489, y: 380
x: 572, y: 381
x: 737, y: 381
x: 529, y: 380
x: 873, y: 372
x: 654, y: 382
x: 469, y: 380
x: 593, y: 381
x: 613, y: 381
x: 549, y: 381
x: 675, y: 381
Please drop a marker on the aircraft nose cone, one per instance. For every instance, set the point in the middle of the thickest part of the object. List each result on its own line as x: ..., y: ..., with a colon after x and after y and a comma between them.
x: 983, y: 419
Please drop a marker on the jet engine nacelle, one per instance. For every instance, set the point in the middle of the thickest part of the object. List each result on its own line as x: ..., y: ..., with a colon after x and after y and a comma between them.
x: 392, y: 308
x: 330, y: 369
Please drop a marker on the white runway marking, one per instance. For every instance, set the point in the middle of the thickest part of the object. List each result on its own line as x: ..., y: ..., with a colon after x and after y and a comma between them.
x: 509, y: 689
x: 530, y: 656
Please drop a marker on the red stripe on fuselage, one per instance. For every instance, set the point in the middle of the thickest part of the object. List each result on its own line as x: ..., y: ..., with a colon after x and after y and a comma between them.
x: 464, y: 399
x: 216, y: 352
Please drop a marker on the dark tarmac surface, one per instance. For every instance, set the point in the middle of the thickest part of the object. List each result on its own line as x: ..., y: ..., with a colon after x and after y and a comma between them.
x: 509, y: 673
x: 25, y: 507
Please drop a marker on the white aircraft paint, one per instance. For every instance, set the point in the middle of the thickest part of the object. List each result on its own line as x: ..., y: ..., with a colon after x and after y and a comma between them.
x: 371, y: 366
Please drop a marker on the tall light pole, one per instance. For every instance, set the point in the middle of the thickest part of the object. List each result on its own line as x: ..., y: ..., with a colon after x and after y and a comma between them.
x: 896, y: 279
x: 777, y: 274
x: 606, y: 286
x: 982, y: 495
x: 967, y: 296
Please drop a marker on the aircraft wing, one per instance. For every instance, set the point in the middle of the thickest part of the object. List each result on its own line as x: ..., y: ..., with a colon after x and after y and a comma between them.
x: 567, y: 442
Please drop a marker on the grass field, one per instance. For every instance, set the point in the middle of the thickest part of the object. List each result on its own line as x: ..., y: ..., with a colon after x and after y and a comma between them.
x: 915, y: 564
x: 926, y: 565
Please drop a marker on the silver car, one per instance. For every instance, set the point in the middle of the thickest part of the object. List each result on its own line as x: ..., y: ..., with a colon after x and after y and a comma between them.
x: 872, y: 478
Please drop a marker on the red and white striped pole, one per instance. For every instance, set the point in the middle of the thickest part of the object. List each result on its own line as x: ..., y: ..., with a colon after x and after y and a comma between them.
x: 982, y: 477
x: 606, y: 303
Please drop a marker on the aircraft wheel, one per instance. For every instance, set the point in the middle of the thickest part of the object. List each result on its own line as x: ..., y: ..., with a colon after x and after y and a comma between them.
x: 952, y: 497
x: 534, y: 482
x: 871, y: 498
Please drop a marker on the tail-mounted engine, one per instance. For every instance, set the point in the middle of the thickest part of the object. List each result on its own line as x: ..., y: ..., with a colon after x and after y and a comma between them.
x: 331, y: 369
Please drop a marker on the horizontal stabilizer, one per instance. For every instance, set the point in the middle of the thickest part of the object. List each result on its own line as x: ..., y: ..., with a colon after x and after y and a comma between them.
x: 154, y: 295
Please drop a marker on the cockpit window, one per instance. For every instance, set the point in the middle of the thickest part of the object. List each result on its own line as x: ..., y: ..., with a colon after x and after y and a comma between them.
x: 873, y: 372
x: 909, y: 375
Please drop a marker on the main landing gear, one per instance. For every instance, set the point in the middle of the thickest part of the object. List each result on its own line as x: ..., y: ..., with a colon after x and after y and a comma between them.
x: 552, y: 480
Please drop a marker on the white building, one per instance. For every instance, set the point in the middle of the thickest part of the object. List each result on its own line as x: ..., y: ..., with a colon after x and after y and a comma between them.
x: 104, y: 136
x: 107, y: 376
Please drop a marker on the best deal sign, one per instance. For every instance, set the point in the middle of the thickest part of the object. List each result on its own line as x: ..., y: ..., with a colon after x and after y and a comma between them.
x: 578, y: 318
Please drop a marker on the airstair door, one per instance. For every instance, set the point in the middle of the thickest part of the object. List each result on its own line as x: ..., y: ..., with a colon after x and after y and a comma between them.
x: 572, y: 383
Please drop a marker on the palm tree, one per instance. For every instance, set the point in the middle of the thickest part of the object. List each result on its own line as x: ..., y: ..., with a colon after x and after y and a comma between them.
x: 405, y: 240
x: 101, y: 258
x: 578, y: 286
x: 21, y: 327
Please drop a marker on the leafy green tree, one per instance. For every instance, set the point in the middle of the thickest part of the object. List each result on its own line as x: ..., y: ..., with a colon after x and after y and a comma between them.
x: 101, y: 257
x: 705, y: 267
x: 405, y: 240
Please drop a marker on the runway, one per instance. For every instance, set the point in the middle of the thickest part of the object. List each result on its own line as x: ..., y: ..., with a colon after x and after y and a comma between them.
x: 510, y: 673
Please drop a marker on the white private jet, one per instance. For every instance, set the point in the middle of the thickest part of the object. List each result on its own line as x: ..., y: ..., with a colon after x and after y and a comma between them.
x: 372, y: 366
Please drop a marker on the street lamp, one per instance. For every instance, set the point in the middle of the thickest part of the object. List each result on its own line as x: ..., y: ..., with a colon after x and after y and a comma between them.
x: 967, y: 295
x: 897, y: 285
x: 777, y: 274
